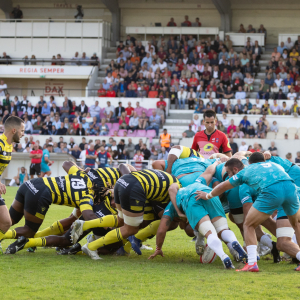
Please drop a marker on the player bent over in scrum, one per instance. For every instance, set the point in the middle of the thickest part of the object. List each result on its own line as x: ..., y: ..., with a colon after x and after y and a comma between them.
x: 35, y: 196
x: 207, y: 218
x: 130, y: 192
x: 276, y: 189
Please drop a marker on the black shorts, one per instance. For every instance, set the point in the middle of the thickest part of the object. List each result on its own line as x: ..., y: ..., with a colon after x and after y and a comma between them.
x: 35, y: 169
x: 129, y: 193
x: 2, y: 201
x: 35, y: 196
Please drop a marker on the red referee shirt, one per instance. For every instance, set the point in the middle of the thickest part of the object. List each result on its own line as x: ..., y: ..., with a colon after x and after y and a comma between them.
x: 207, y: 145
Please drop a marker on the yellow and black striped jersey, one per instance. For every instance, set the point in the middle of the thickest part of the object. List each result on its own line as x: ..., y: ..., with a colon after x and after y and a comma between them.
x: 102, y: 176
x: 73, y: 190
x: 188, y: 152
x: 5, y: 153
x: 156, y: 184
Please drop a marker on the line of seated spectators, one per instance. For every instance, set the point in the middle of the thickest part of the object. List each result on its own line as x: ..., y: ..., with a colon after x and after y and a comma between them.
x: 243, y: 130
x: 47, y: 118
x: 181, y: 70
x: 270, y: 107
x: 115, y: 151
x: 57, y: 60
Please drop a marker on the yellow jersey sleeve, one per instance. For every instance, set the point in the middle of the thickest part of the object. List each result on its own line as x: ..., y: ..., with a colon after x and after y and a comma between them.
x: 188, y: 152
x: 73, y: 170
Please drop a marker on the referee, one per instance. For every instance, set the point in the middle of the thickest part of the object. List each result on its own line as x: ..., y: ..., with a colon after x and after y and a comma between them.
x: 36, y: 159
x: 211, y: 140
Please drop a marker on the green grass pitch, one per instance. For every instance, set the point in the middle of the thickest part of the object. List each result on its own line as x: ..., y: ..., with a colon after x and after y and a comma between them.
x: 179, y: 275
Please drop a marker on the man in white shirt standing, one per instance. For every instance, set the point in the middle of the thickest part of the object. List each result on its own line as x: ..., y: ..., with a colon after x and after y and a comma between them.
x: 3, y: 87
x: 292, y: 95
x: 162, y: 65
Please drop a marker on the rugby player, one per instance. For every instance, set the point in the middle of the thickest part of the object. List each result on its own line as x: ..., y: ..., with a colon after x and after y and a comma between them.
x: 276, y: 191
x: 35, y: 196
x: 130, y: 193
x: 13, y: 132
x: 206, y: 217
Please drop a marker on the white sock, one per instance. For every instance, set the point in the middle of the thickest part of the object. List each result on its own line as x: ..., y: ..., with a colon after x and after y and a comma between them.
x: 298, y: 255
x: 228, y: 236
x: 215, y: 244
x: 12, y: 182
x: 294, y: 239
x: 265, y: 240
x: 229, y: 245
x: 252, y: 255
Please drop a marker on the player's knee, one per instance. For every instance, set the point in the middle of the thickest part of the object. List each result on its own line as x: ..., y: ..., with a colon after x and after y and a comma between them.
x: 206, y: 228
x: 5, y: 224
x: 220, y: 225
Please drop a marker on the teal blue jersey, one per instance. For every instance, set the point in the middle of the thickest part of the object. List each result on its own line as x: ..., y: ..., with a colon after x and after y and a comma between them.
x: 21, y: 177
x: 286, y: 164
x: 247, y: 194
x: 260, y: 175
x: 218, y: 173
x: 190, y: 165
x: 46, y: 153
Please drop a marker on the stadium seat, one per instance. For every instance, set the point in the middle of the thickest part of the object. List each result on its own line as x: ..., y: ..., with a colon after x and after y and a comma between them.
x: 111, y: 132
x: 282, y: 130
x: 109, y: 125
x: 141, y: 133
x: 292, y: 130
x: 121, y: 132
x: 149, y: 112
x: 115, y: 126
x: 102, y: 113
x: 280, y: 136
x: 132, y: 134
x: 151, y: 133
x: 271, y: 135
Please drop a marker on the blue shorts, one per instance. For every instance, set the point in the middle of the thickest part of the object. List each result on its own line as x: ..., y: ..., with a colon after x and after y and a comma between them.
x: 283, y: 194
x: 45, y: 168
x: 196, y: 210
x: 189, y: 179
x: 294, y: 173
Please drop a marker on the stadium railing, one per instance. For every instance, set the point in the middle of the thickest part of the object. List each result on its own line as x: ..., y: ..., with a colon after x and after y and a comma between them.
x: 282, y: 37
x: 239, y: 39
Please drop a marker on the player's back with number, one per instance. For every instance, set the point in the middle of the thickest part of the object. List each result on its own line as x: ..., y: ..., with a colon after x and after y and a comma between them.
x: 260, y: 175
x: 71, y: 190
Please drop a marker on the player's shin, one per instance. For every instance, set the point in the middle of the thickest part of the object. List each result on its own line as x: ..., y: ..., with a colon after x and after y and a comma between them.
x: 111, y: 237
x: 107, y: 221
x: 36, y: 242
x: 55, y: 229
x: 148, y: 231
x: 10, y: 234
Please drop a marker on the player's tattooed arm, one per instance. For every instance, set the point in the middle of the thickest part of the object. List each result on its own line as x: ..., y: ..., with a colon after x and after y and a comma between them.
x: 173, y: 189
x: 161, y: 235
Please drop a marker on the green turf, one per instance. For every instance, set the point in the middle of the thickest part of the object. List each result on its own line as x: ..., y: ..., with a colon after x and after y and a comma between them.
x: 179, y: 275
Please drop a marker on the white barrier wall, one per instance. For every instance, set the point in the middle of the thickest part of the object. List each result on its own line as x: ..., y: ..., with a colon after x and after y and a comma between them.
x: 282, y: 37
x: 239, y: 39
x: 53, y: 29
x: 283, y: 147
